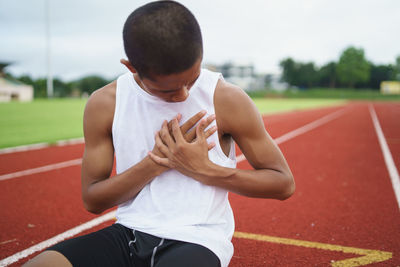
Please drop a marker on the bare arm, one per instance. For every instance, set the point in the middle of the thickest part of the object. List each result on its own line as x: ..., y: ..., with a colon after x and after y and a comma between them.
x: 236, y: 116
x: 271, y: 177
x: 98, y: 192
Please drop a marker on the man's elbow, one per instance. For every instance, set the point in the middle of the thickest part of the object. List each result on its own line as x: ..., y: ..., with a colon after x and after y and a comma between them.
x: 91, y: 206
x: 92, y: 209
x: 288, y: 188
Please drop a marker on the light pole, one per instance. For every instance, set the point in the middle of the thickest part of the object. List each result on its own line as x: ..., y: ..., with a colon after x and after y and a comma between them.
x: 48, y: 52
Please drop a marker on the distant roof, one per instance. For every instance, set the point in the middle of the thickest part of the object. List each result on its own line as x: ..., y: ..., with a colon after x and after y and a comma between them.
x: 3, y: 65
x: 11, y: 81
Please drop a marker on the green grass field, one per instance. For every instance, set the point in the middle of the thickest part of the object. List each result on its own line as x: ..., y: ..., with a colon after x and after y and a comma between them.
x: 267, y: 105
x: 40, y: 121
x: 57, y: 119
x: 326, y: 93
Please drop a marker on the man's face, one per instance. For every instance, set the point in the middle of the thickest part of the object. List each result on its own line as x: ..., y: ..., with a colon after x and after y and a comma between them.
x: 173, y: 87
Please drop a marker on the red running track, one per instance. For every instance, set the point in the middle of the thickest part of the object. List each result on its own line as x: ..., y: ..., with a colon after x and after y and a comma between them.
x: 343, y: 197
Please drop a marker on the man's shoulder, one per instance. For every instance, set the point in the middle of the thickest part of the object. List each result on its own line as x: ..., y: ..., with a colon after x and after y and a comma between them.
x: 229, y: 95
x: 232, y: 106
x: 103, y: 98
x: 100, y: 107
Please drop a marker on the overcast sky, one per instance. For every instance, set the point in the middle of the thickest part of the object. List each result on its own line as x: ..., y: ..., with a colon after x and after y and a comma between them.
x: 86, y: 35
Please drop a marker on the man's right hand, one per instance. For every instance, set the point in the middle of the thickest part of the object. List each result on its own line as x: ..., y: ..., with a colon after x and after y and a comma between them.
x: 188, y: 131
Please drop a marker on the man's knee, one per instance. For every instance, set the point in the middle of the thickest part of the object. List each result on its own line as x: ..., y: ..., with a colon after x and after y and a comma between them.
x: 49, y: 258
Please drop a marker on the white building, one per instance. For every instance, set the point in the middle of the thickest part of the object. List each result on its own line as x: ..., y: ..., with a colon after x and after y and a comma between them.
x: 14, y: 90
x: 242, y: 75
x: 11, y: 89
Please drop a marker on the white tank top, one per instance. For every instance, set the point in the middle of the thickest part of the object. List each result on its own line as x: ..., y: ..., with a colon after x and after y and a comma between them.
x: 172, y: 205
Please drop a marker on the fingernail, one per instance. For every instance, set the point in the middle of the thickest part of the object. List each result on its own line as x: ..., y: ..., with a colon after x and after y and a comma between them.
x: 212, y: 116
x: 203, y: 112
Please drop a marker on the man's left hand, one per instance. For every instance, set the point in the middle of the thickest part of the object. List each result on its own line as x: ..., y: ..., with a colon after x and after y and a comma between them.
x: 190, y: 159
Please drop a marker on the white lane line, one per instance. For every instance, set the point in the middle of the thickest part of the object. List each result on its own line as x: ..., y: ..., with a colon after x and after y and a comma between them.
x: 41, y: 145
x: 391, y: 167
x: 306, y: 128
x: 8, y: 241
x: 41, y: 169
x: 58, y: 238
x: 111, y: 215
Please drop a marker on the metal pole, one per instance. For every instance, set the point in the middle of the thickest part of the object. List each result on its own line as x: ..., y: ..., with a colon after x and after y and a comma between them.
x: 48, y: 52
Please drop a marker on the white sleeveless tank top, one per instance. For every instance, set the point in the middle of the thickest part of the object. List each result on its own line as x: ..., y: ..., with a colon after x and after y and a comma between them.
x: 172, y: 205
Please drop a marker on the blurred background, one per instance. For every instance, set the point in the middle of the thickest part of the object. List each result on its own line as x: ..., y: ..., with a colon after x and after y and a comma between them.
x: 275, y: 49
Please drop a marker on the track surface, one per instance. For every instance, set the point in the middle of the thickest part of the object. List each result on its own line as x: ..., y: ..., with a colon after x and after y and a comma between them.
x: 343, y: 197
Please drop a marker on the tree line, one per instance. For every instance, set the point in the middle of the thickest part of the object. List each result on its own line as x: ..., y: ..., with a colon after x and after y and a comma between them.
x: 77, y: 88
x: 352, y: 70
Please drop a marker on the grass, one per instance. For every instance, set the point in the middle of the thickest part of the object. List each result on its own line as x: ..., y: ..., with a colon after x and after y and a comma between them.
x: 40, y: 121
x: 269, y: 105
x: 361, y: 94
x: 51, y: 120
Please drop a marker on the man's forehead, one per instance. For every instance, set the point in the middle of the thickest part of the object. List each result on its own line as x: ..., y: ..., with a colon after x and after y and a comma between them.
x: 174, y: 81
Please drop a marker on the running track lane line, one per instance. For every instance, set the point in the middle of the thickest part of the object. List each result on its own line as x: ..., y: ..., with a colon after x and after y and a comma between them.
x: 41, y: 169
x: 391, y: 167
x: 66, y: 142
x: 58, y: 238
x: 239, y: 158
x: 108, y: 216
x: 302, y: 129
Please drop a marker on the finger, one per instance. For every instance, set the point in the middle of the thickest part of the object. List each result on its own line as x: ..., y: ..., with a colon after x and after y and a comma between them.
x: 200, y: 130
x: 161, y: 161
x: 191, y: 135
x: 166, y: 136
x: 160, y: 145
x: 210, y: 119
x: 211, y: 146
x: 192, y: 121
x: 178, y: 117
x: 210, y: 131
x: 176, y: 131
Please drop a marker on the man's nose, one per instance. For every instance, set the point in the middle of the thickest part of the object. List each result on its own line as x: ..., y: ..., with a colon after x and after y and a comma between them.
x: 181, y: 95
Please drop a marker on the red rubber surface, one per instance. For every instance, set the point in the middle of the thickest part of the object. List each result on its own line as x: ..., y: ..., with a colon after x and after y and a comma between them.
x: 343, y: 193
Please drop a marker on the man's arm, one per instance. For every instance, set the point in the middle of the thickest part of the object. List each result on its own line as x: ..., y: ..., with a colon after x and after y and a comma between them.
x: 98, y: 192
x: 271, y: 177
x: 236, y: 116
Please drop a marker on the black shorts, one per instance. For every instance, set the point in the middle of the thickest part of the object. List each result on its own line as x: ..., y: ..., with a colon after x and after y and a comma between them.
x: 118, y: 245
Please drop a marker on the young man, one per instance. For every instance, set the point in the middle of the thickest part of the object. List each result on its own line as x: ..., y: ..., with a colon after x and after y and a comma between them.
x: 175, y: 165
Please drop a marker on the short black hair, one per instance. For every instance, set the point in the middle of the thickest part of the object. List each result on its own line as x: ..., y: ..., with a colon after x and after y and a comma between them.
x: 162, y: 38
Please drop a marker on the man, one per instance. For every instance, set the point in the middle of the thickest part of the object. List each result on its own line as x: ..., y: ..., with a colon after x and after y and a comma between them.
x: 175, y: 165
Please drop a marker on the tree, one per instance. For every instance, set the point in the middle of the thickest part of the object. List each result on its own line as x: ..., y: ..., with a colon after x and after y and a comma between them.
x: 298, y: 74
x: 396, y: 70
x: 40, y: 88
x: 288, y: 66
x: 89, y: 84
x: 26, y: 79
x: 380, y: 73
x: 306, y: 75
x: 327, y: 75
x: 352, y: 67
x: 61, y: 89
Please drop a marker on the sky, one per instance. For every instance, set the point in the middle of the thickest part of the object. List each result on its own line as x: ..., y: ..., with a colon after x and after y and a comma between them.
x: 86, y: 36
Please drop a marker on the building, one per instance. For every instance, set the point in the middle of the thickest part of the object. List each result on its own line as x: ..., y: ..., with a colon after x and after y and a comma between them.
x: 390, y: 87
x: 13, y: 90
x: 242, y: 75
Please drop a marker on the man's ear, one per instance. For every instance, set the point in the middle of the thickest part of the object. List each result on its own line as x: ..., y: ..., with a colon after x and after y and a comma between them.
x: 128, y: 65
